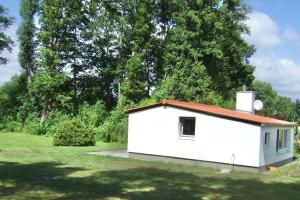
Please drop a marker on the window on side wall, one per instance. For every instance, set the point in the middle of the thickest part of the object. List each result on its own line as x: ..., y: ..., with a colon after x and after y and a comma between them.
x: 282, y: 139
x: 187, y: 126
x: 267, y: 139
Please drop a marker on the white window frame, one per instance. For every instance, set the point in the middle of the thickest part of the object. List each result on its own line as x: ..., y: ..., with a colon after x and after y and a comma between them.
x: 283, y: 145
x: 180, y: 127
x: 267, y: 136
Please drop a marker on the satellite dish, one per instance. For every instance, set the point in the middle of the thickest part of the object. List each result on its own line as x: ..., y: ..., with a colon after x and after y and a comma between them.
x: 258, y: 105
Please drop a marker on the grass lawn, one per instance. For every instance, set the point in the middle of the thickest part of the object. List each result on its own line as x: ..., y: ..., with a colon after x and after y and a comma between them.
x: 31, y: 168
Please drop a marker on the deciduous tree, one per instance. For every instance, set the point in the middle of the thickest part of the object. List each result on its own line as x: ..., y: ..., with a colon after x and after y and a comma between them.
x: 6, y: 41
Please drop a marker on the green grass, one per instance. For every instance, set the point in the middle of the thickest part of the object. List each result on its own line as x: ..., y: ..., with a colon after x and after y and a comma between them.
x: 31, y: 168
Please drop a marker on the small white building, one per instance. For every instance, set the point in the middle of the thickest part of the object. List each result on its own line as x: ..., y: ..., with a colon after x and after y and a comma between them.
x: 188, y: 132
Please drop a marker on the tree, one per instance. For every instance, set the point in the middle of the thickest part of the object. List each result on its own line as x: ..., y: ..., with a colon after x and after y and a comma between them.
x: 274, y: 105
x: 101, y: 54
x: 226, y: 53
x: 11, y: 96
x: 141, y: 68
x: 75, y: 22
x: 265, y: 93
x: 6, y: 42
x: 204, y: 38
x: 285, y: 108
x: 46, y: 86
x: 51, y: 37
x: 297, y: 110
x: 26, y: 35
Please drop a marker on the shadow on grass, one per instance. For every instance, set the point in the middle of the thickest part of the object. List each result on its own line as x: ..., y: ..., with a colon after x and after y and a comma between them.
x: 50, y: 180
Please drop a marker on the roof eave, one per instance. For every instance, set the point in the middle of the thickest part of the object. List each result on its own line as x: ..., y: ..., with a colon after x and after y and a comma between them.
x: 278, y: 124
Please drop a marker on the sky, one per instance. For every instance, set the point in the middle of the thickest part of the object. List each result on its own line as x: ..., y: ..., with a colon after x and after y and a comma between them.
x: 275, y: 32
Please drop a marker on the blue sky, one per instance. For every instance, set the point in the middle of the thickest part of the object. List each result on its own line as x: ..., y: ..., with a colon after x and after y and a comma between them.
x: 12, y: 67
x: 275, y: 31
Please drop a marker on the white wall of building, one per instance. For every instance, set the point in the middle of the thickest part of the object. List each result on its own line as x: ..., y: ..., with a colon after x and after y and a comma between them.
x: 155, y: 131
x: 268, y: 153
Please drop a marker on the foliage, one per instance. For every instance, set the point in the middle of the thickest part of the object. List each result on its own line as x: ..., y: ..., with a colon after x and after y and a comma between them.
x: 297, y: 110
x: 214, y: 98
x: 285, y: 108
x: 6, y: 41
x: 298, y: 145
x: 73, y: 133
x: 146, y: 102
x: 114, y: 128
x: 46, y: 86
x: 93, y: 116
x: 274, y: 105
x: 265, y: 93
x: 33, y: 125
x: 30, y: 105
x: 93, y: 59
x: 51, y: 38
x: 11, y: 96
x: 203, y: 47
x: 185, y: 85
x: 26, y: 35
x: 55, y: 118
x: 10, y: 124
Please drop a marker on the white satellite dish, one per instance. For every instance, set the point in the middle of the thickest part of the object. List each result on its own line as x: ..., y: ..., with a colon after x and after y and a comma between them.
x: 258, y: 105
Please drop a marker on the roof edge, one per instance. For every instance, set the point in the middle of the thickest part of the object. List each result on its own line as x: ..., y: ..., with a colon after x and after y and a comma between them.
x: 173, y: 102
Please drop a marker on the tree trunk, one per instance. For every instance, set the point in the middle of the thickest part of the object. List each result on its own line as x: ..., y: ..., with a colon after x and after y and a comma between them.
x: 119, y: 92
x: 45, y: 109
x: 29, y: 76
x: 75, y: 104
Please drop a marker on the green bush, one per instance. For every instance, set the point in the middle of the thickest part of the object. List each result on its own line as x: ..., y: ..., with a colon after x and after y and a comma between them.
x: 114, y: 128
x: 54, y: 119
x: 33, y: 125
x: 13, y: 126
x: 297, y: 143
x: 73, y: 133
x: 10, y: 124
x: 93, y: 116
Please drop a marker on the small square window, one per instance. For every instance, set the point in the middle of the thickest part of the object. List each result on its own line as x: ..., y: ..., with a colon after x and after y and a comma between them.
x: 267, y: 139
x: 187, y: 126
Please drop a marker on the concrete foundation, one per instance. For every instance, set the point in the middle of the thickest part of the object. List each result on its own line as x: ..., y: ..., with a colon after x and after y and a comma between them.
x: 205, y: 163
x: 277, y: 164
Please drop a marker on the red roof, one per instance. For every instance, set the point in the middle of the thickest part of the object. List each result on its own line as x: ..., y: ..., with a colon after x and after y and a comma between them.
x: 217, y: 111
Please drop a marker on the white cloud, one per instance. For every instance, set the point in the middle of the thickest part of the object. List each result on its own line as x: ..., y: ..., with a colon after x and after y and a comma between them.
x: 263, y: 30
x: 291, y: 35
x: 12, y: 67
x: 283, y: 74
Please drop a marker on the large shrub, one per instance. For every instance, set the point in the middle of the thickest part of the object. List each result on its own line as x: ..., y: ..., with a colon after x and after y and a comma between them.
x: 33, y: 125
x: 114, y: 128
x: 10, y: 124
x: 93, y: 115
x: 73, y: 133
x: 54, y: 119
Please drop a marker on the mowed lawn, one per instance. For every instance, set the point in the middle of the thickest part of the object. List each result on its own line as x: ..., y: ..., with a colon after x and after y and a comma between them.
x: 32, y: 168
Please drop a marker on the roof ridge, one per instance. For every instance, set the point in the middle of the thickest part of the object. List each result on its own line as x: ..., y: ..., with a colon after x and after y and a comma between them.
x: 166, y: 101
